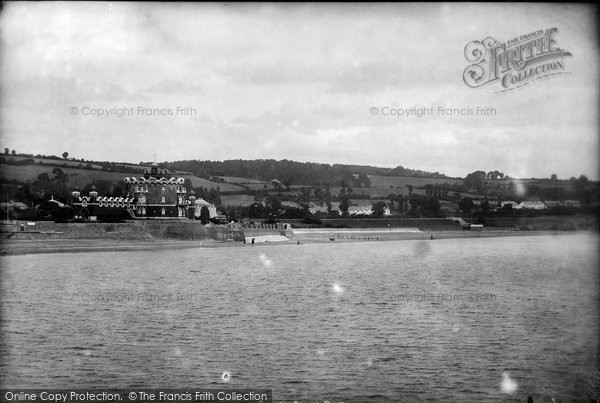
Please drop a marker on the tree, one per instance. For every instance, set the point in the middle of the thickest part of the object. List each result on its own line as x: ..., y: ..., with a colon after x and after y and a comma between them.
x: 273, y: 203
x: 187, y: 183
x: 43, y: 177
x: 212, y: 195
x: 422, y: 206
x: 485, y: 206
x: 495, y: 175
x: 466, y: 205
x: 553, y: 177
x: 59, y: 175
x: 13, y: 152
x: 363, y: 180
x: 475, y: 180
x: 378, y: 209
x: 344, y: 205
x: 304, y: 197
x: 6, y: 151
x: 392, y: 199
x: 65, y: 155
x: 120, y: 189
x: 580, y: 184
x: 582, y: 180
x: 429, y: 190
x: 204, y: 215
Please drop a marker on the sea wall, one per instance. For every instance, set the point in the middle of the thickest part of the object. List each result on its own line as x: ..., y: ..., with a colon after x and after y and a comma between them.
x: 421, y: 223
x: 545, y: 223
x: 138, y: 230
x: 577, y: 222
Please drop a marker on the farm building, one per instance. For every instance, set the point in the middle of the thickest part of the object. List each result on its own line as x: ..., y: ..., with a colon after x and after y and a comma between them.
x: 532, y: 205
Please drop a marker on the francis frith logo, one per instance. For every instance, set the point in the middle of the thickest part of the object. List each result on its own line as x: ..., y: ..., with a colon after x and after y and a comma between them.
x: 516, y: 62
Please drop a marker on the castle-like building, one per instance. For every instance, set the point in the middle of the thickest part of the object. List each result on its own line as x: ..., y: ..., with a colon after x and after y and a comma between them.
x: 149, y: 196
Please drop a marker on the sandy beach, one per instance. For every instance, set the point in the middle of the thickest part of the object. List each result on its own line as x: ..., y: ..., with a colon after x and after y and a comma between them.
x: 25, y: 247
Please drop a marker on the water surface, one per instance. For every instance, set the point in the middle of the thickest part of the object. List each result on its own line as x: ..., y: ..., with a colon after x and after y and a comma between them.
x: 373, y: 321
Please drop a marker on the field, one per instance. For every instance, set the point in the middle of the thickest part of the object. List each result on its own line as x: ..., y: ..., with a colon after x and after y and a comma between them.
x: 381, y: 186
x: 237, y: 200
x: 224, y: 187
x: 235, y: 179
x: 69, y: 163
x: 81, y: 177
x: 378, y: 181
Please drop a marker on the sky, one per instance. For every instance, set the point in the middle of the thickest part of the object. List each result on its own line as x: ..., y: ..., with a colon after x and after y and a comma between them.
x: 304, y: 82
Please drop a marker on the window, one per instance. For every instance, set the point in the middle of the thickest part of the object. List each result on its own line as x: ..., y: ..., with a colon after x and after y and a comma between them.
x: 163, y: 211
x: 164, y: 188
x: 143, y: 210
x: 180, y: 212
x: 163, y: 199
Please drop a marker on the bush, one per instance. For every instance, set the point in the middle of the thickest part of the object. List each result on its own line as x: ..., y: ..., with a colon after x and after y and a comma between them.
x: 312, y: 220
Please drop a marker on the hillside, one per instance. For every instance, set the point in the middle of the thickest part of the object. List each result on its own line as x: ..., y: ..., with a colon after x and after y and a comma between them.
x: 266, y: 188
x: 79, y: 175
x: 229, y: 175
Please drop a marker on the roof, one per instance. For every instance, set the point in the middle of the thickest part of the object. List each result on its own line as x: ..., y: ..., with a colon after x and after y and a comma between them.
x: 172, y: 181
x: 200, y: 201
x: 364, y: 207
x: 532, y: 204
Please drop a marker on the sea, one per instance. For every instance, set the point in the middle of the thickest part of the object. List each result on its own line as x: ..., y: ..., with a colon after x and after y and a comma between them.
x: 471, y: 319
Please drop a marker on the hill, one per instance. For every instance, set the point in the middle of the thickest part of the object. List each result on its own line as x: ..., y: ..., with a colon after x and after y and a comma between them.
x: 272, y: 186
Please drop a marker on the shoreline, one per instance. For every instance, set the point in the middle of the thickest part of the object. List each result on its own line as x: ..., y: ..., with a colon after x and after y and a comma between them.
x: 29, y: 247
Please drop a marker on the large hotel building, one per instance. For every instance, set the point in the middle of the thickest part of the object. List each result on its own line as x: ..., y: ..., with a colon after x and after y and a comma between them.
x: 149, y: 196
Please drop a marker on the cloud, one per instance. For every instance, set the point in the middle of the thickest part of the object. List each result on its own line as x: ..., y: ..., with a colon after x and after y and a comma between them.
x: 293, y: 81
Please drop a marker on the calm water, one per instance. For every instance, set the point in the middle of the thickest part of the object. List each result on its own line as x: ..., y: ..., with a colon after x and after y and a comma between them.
x: 402, y: 320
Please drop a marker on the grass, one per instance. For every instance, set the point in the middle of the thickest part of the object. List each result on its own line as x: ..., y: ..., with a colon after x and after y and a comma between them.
x: 81, y: 177
x: 401, y: 181
x: 235, y: 179
x: 237, y: 200
x: 69, y: 163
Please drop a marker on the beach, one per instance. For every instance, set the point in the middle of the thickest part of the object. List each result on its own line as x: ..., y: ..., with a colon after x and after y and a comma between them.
x: 60, y: 245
